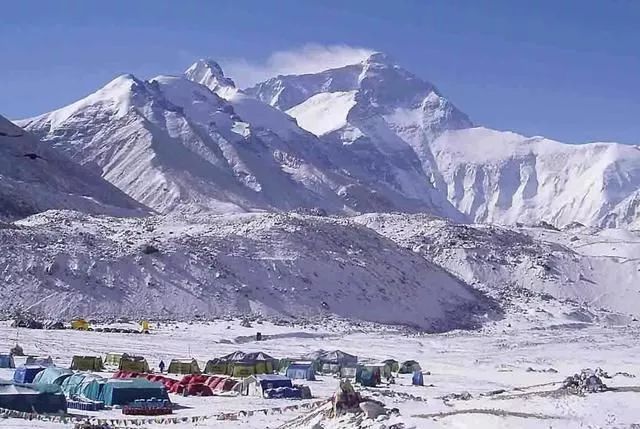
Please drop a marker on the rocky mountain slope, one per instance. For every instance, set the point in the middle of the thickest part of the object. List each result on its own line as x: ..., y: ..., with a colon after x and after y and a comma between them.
x: 66, y: 264
x: 525, y: 268
x: 34, y: 177
x: 487, y: 175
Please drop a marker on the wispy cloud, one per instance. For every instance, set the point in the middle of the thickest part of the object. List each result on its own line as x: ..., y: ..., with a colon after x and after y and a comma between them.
x: 309, y: 58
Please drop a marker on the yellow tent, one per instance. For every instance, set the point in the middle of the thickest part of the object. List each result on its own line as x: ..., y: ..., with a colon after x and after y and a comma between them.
x: 80, y: 324
x: 243, y: 369
x: 183, y: 366
x: 87, y: 363
x: 113, y: 359
x: 134, y: 364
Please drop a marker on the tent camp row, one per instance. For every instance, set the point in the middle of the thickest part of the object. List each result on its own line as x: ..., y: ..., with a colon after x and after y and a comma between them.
x: 92, y: 387
x: 191, y: 384
x: 121, y: 361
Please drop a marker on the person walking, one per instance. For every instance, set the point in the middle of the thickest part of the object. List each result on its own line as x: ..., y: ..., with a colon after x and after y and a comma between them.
x: 161, y: 366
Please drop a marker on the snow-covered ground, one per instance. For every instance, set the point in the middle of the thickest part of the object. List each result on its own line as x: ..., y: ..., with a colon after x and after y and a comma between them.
x: 529, y: 364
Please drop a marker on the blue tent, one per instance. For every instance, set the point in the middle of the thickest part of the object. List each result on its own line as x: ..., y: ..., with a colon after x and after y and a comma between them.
x: 52, y: 375
x: 31, y: 398
x: 123, y: 392
x: 417, y: 379
x: 26, y: 373
x: 368, y: 375
x: 269, y: 381
x: 301, y: 371
x: 6, y: 361
x: 283, y: 393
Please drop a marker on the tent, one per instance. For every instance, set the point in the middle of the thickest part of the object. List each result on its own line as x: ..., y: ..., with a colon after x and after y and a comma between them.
x: 243, y: 369
x: 417, y: 379
x: 6, y: 361
x: 26, y: 373
x: 52, y: 375
x: 331, y: 361
x: 259, y: 384
x: 263, y: 362
x: 32, y: 398
x: 123, y: 392
x: 134, y: 364
x: 409, y: 366
x: 217, y: 366
x: 368, y: 375
x: 282, y: 364
x: 394, y: 365
x: 183, y: 366
x: 80, y: 324
x: 91, y: 388
x: 385, y: 370
x: 75, y: 385
x: 224, y: 385
x: 27, y: 323
x: 301, y: 371
x: 112, y: 359
x: 241, y: 364
x: 348, y: 371
x: 39, y: 360
x: 87, y: 363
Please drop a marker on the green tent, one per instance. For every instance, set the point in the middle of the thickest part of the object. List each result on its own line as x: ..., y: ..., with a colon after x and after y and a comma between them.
x: 244, y: 364
x: 183, y: 366
x: 74, y: 386
x: 133, y: 364
x: 113, y: 359
x: 52, y: 375
x: 123, y: 392
x: 409, y: 367
x: 91, y: 388
x: 394, y: 365
x: 216, y: 366
x: 243, y: 369
x: 87, y: 363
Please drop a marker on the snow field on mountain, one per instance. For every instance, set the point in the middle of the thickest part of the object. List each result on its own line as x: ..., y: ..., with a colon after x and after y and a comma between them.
x: 324, y: 113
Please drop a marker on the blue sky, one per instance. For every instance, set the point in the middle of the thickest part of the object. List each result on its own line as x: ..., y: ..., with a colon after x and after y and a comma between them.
x: 568, y: 70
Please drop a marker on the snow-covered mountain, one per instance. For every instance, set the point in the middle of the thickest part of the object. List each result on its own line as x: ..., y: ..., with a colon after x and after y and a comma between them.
x: 503, y: 177
x: 176, y: 145
x: 65, y: 263
x: 489, y: 176
x: 34, y: 177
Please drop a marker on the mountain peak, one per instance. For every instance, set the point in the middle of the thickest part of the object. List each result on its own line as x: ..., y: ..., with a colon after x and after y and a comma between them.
x: 379, y: 58
x: 207, y: 72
